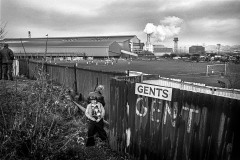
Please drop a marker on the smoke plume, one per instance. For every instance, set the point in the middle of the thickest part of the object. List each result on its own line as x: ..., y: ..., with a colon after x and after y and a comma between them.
x: 168, y: 27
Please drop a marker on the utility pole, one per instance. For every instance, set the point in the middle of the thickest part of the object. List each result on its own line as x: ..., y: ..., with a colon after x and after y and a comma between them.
x: 25, y: 55
x: 46, y: 49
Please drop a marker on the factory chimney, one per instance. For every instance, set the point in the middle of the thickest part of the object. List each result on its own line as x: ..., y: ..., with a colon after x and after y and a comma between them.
x: 148, y: 39
x: 218, y: 48
x: 175, y: 50
x: 149, y: 46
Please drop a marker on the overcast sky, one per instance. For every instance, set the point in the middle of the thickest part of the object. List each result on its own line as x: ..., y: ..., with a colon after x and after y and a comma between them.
x: 202, y: 21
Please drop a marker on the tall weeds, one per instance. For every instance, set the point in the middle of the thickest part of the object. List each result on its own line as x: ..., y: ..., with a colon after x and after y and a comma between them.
x: 39, y: 122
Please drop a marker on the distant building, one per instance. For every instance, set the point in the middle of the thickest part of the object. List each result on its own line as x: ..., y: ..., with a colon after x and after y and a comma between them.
x: 160, y: 50
x: 128, y: 43
x: 137, y: 47
x: 159, y: 46
x: 196, y: 50
x: 148, y: 47
x: 94, y: 46
x: 146, y: 54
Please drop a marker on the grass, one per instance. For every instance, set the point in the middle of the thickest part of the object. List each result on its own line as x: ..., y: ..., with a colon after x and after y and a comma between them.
x: 178, y: 69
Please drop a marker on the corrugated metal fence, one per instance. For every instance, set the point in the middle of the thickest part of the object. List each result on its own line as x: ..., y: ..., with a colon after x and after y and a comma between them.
x: 193, y: 125
x: 199, y: 123
x: 81, y: 80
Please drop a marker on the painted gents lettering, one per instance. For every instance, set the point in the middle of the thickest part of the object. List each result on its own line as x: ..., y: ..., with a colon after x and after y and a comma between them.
x: 139, y: 104
x: 169, y: 112
x: 140, y: 89
x: 153, y: 91
x: 191, y: 111
x: 159, y: 91
x: 172, y: 114
x: 146, y: 90
x: 165, y: 93
x: 156, y: 109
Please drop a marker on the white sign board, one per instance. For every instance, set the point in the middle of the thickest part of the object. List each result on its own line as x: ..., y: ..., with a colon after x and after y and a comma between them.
x: 153, y: 91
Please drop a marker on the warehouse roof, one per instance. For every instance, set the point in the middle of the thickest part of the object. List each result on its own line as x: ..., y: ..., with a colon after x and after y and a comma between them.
x: 118, y: 38
x: 63, y: 44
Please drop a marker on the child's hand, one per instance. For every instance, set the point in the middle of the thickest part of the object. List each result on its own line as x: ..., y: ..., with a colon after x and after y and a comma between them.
x: 98, y: 120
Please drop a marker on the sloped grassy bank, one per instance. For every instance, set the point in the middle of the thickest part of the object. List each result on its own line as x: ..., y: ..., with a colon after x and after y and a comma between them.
x: 38, y: 120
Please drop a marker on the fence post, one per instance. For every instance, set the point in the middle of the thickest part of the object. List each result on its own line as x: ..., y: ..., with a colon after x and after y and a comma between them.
x: 141, y: 78
x: 96, y: 84
x: 28, y: 68
x: 75, y: 78
x: 45, y: 66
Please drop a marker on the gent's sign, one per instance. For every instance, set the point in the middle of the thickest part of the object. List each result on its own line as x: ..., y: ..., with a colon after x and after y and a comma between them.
x: 158, y: 92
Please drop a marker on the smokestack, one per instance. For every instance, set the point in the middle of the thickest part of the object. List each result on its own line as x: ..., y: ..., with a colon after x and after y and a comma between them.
x: 175, y: 50
x: 148, y: 38
x: 149, y: 46
x: 29, y: 34
x: 218, y: 48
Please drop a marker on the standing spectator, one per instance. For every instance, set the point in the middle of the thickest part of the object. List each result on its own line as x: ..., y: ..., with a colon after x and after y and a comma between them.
x: 95, y: 113
x: 7, y: 62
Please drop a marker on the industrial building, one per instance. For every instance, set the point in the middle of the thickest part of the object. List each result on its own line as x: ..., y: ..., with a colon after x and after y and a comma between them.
x: 146, y: 55
x: 160, y: 50
x: 95, y: 46
x: 196, y: 50
x: 175, y: 40
x: 148, y: 46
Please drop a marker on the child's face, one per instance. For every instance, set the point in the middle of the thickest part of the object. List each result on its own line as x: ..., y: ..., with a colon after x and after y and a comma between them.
x: 93, y: 101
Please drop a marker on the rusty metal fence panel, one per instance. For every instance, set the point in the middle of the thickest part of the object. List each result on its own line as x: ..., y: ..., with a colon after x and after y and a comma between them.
x: 192, y: 126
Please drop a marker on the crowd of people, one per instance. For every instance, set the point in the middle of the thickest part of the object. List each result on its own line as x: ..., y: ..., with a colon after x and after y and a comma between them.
x: 6, y: 63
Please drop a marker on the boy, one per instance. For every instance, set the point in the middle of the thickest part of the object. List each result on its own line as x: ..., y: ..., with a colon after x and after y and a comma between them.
x: 95, y: 113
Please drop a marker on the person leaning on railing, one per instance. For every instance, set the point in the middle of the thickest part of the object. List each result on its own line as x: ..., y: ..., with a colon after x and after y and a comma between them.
x: 7, y: 62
